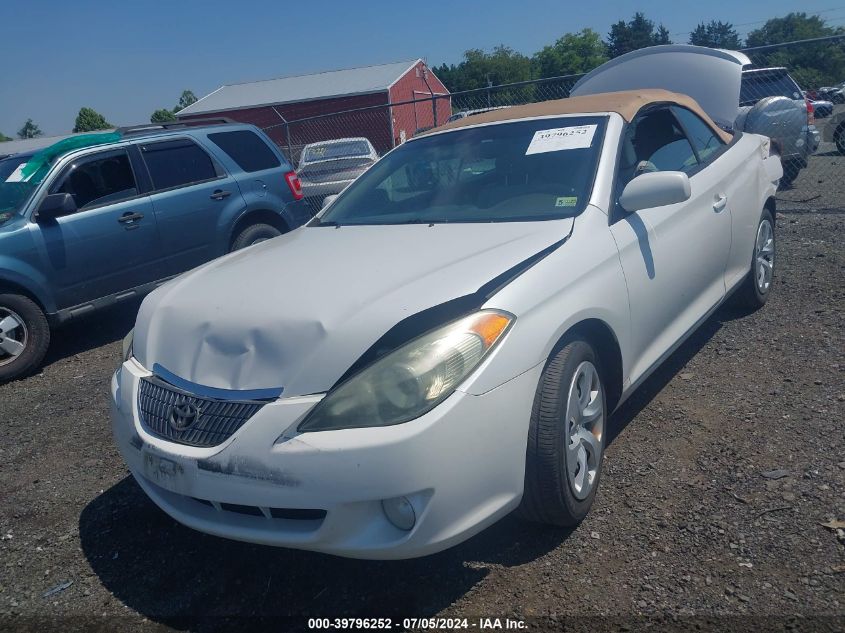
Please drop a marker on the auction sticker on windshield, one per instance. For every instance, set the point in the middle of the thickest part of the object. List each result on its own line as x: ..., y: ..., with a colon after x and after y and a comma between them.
x: 561, y: 138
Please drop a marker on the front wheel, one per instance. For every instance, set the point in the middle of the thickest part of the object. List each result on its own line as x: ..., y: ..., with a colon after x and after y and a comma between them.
x: 254, y: 234
x: 757, y: 286
x: 24, y: 336
x: 566, y: 438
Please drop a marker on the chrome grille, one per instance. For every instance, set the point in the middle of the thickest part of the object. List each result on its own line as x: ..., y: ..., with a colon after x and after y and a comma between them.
x: 217, y: 419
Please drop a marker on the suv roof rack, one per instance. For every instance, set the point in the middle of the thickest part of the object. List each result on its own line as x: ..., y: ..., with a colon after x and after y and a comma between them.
x: 151, y: 127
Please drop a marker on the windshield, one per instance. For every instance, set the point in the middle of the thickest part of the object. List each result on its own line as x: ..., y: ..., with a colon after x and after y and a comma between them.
x: 540, y: 169
x: 756, y: 86
x: 14, y: 191
x: 341, y: 149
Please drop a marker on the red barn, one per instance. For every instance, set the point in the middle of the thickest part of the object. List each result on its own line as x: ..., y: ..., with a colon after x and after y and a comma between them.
x: 277, y: 104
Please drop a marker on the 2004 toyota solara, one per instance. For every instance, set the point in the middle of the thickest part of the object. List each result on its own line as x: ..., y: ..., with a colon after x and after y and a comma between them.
x: 444, y: 342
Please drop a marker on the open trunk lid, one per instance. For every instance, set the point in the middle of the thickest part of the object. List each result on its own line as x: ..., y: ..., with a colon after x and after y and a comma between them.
x: 710, y: 76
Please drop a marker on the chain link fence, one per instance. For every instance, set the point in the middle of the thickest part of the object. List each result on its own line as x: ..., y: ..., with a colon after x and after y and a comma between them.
x: 794, y: 93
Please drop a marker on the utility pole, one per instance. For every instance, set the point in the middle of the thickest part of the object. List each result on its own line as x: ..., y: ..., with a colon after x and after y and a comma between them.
x: 431, y: 92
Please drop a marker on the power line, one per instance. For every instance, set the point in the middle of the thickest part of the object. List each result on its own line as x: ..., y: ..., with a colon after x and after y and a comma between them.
x: 809, y: 13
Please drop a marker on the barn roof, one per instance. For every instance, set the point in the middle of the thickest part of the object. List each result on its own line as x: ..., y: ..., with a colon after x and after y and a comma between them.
x: 332, y: 83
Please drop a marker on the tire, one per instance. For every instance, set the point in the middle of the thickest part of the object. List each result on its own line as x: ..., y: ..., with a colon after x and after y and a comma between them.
x: 791, y: 170
x: 754, y: 291
x: 253, y: 234
x: 551, y: 494
x: 22, y: 323
x: 839, y: 138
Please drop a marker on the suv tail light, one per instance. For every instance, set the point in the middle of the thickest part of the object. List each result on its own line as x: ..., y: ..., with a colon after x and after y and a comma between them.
x: 811, y: 112
x: 295, y: 185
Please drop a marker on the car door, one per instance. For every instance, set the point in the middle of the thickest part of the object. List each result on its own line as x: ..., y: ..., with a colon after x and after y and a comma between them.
x: 673, y: 256
x: 191, y: 191
x: 110, y: 244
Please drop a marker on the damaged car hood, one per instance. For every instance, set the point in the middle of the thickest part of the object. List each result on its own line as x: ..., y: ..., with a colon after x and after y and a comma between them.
x: 298, y: 311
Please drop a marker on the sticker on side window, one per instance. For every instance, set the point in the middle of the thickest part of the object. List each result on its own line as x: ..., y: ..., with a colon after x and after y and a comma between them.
x: 17, y: 175
x: 561, y: 138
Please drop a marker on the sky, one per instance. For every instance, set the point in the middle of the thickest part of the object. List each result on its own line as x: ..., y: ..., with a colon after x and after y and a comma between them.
x: 127, y: 58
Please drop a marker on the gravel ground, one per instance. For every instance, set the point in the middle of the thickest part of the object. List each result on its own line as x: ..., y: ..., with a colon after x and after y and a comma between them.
x: 722, y: 471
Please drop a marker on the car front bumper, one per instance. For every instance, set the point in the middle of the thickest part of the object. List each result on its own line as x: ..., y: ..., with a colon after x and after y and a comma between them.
x: 461, y: 466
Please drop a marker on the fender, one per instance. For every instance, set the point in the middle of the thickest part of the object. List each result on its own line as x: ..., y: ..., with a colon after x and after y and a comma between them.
x: 20, y: 274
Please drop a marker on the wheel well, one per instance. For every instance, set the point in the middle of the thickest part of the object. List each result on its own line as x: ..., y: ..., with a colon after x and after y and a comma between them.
x: 262, y: 216
x: 11, y: 287
x: 602, y: 338
x: 771, y: 206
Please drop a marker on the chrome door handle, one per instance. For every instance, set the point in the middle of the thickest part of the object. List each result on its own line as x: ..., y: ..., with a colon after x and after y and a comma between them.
x: 720, y: 202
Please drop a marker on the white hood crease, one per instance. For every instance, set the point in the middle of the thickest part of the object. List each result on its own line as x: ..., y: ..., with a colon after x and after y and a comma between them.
x: 297, y: 311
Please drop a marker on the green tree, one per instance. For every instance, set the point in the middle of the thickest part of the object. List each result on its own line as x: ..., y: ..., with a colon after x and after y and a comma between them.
x: 29, y: 130
x: 501, y: 66
x: 89, y: 120
x: 4, y: 138
x: 812, y: 64
x: 639, y: 32
x: 185, y: 100
x: 715, y: 34
x: 573, y: 53
x: 162, y: 115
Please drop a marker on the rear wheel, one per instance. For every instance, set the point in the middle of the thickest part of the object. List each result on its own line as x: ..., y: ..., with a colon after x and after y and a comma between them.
x: 791, y: 170
x: 839, y: 138
x: 24, y: 335
x: 757, y: 286
x: 254, y: 234
x: 566, y: 438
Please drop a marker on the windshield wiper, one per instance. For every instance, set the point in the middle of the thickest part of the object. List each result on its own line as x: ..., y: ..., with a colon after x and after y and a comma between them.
x: 319, y: 222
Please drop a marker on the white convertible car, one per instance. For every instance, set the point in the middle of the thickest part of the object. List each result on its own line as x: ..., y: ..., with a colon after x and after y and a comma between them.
x: 444, y: 343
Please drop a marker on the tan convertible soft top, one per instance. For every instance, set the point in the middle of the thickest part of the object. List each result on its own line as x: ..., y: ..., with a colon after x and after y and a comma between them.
x: 626, y: 103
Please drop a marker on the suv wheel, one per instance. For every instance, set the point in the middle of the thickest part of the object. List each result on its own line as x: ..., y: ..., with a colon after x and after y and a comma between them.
x: 254, y: 234
x: 791, y: 169
x: 839, y: 138
x: 566, y: 438
x: 24, y: 335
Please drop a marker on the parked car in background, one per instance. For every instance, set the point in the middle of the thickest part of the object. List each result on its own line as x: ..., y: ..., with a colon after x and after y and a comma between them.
x: 821, y: 109
x: 97, y: 219
x: 833, y: 131
x: 327, y: 167
x: 465, y: 113
x: 772, y: 104
x: 476, y: 305
x: 835, y: 94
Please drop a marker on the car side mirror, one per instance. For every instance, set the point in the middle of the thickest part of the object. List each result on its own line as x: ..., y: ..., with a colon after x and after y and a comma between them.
x: 328, y: 200
x: 655, y: 189
x: 56, y: 205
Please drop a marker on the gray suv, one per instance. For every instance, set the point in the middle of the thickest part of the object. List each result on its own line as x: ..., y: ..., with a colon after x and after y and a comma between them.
x: 771, y: 103
x: 98, y: 219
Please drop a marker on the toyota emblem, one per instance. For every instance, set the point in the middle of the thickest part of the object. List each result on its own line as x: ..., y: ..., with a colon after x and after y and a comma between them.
x: 183, y: 414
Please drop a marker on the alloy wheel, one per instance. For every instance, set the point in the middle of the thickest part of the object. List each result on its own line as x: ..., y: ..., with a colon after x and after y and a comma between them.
x: 584, y: 429
x: 764, y: 256
x: 13, y: 336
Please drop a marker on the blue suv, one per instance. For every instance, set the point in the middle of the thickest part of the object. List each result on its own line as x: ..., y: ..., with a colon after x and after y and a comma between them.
x: 95, y: 220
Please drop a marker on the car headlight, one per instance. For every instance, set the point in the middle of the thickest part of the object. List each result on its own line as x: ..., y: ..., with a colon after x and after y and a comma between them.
x: 127, y: 345
x: 413, y: 379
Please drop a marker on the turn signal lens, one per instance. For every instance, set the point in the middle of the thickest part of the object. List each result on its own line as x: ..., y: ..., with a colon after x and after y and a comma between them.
x: 128, y: 340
